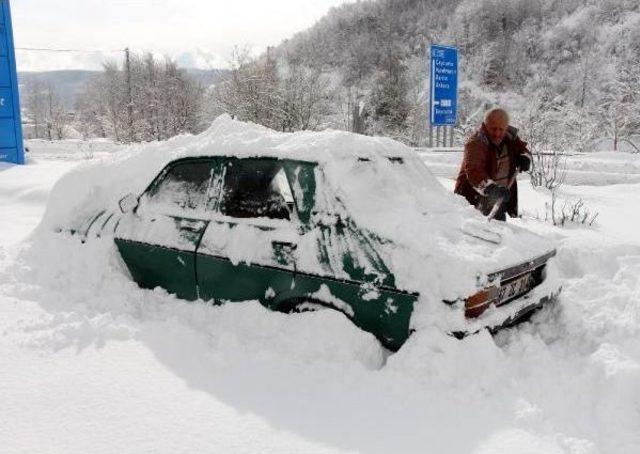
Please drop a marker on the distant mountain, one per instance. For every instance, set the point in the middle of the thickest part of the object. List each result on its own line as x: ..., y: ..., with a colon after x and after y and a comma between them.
x: 207, y: 77
x: 69, y: 84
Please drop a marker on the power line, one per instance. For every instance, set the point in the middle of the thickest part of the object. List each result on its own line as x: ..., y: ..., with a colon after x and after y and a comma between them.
x: 87, y: 51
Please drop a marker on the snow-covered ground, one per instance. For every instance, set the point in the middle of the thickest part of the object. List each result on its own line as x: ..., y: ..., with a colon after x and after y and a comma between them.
x: 91, y: 363
x: 590, y: 169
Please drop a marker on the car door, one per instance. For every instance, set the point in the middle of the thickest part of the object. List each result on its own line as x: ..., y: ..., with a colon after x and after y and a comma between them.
x: 158, y: 241
x: 248, y: 249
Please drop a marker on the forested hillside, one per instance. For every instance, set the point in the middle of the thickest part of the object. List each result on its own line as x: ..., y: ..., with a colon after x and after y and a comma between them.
x: 573, y: 64
x: 568, y: 67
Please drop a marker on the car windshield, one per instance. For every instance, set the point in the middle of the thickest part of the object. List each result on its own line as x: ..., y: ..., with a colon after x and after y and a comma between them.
x: 185, y: 186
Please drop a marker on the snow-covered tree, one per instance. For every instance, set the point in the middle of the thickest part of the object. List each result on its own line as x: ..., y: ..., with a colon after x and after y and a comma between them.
x: 619, y: 107
x: 510, y: 52
x: 305, y: 96
x: 364, y: 67
x: 46, y: 112
x: 250, y: 91
x: 388, y: 100
x: 276, y: 91
x: 164, y: 101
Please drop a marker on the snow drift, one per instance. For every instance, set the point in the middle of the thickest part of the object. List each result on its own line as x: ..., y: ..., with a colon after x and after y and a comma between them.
x: 93, y: 363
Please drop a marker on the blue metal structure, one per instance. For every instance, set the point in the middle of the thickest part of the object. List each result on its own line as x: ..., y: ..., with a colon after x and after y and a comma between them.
x: 11, y: 145
x: 444, y: 86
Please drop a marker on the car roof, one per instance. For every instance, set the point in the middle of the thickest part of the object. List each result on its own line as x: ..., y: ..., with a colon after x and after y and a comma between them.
x: 232, y: 138
x: 210, y: 157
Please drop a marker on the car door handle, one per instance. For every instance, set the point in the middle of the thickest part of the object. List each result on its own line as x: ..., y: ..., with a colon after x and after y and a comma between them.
x: 284, y: 245
x: 283, y: 253
x: 190, y: 228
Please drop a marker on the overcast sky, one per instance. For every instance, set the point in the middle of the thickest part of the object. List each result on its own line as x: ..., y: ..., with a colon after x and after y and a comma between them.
x: 198, y: 33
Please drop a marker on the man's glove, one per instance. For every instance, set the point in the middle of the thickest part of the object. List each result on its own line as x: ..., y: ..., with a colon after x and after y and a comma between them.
x: 523, y: 162
x: 496, y: 193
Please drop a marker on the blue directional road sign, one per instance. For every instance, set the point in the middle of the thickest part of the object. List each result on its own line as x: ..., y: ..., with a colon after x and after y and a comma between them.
x: 444, y: 85
x: 11, y: 147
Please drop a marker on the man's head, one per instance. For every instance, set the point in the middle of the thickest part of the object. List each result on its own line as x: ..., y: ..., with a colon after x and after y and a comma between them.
x: 496, y: 121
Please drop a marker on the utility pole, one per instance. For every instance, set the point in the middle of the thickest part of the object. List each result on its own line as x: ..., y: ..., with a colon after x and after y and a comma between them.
x: 127, y: 66
x: 357, y: 123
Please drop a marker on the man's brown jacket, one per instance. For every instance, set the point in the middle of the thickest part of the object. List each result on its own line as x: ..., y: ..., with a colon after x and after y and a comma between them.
x: 480, y: 163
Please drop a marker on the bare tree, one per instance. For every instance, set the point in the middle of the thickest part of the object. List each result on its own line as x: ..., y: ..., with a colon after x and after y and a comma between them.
x: 277, y: 92
x: 164, y: 102
x: 55, y: 115
x: 45, y: 110
x: 547, y: 147
x: 36, y: 106
x: 305, y: 96
x: 548, y: 168
x: 619, y: 104
x: 250, y: 91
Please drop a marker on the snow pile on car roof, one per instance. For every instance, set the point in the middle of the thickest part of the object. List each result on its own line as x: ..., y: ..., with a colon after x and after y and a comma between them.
x: 101, y: 183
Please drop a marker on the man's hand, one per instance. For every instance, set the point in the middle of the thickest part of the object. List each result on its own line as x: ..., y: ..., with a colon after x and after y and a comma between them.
x: 496, y: 193
x: 523, y: 162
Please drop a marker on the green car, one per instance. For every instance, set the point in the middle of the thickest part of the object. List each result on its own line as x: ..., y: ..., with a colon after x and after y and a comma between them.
x: 227, y: 228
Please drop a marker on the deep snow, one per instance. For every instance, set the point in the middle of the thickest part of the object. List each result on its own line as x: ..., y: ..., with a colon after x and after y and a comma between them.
x: 91, y: 363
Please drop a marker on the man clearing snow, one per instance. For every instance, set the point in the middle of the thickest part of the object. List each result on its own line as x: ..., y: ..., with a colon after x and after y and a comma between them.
x: 493, y: 156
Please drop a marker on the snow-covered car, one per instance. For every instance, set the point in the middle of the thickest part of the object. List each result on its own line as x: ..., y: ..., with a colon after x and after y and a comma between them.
x: 325, y: 220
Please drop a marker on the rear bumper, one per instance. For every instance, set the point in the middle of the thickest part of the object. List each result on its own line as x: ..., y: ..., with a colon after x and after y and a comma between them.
x: 516, y: 311
x: 523, y: 314
x: 520, y: 312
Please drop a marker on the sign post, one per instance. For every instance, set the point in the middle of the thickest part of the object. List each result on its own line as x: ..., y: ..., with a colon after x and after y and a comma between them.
x: 443, y: 105
x: 11, y: 146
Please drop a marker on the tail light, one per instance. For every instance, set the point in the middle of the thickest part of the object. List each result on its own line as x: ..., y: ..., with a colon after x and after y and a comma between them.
x: 476, y: 304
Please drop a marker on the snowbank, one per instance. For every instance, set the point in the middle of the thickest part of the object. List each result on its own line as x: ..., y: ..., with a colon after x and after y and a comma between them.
x: 70, y: 149
x: 590, y: 169
x: 92, y: 363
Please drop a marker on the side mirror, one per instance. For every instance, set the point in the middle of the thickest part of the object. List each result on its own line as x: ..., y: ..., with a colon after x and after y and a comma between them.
x: 128, y: 203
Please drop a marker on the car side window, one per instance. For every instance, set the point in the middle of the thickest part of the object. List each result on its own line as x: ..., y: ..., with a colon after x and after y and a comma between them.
x: 185, y: 185
x: 255, y: 188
